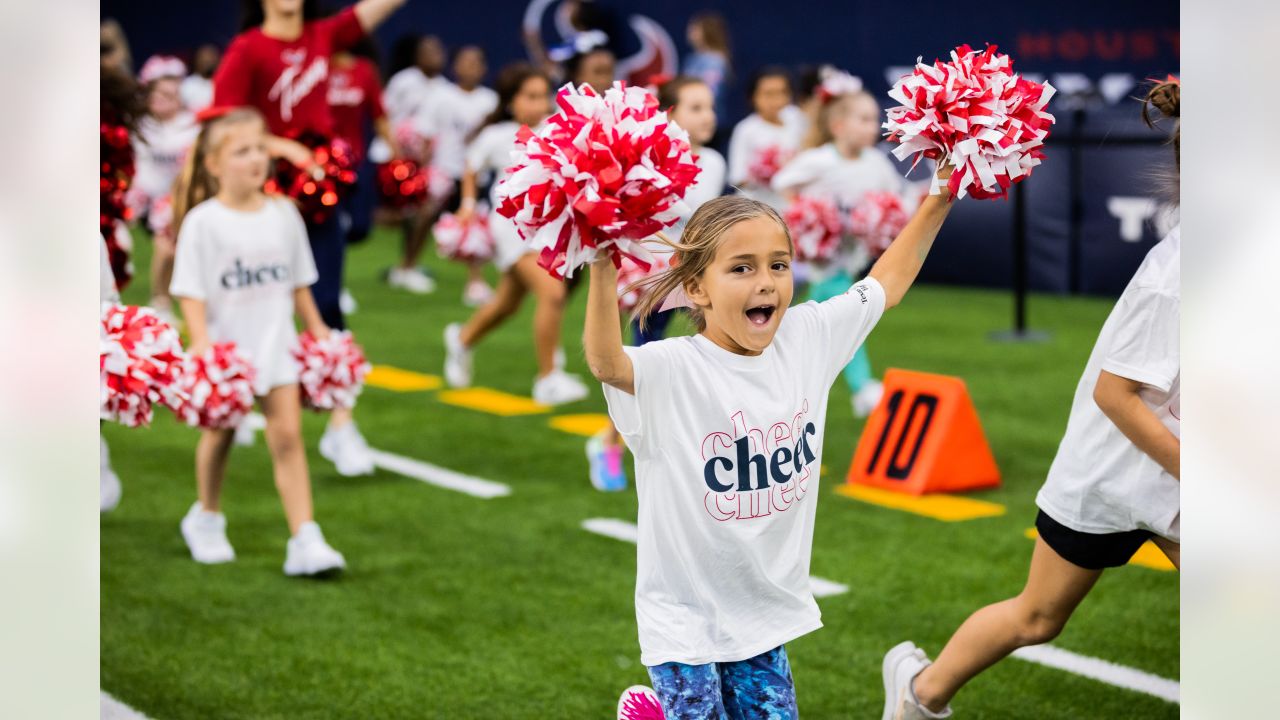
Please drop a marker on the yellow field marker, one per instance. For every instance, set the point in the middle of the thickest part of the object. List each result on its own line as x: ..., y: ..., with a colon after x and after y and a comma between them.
x: 948, y: 508
x: 586, y: 425
x: 494, y: 402
x: 397, y: 380
x: 1148, y: 556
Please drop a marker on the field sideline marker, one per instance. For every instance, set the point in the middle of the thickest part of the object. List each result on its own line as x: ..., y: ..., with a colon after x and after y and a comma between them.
x: 1108, y: 672
x: 438, y: 476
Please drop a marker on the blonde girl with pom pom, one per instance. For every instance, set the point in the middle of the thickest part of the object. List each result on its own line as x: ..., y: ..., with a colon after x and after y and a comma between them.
x: 243, y: 270
x: 726, y: 428
x: 1113, y: 485
x: 842, y: 164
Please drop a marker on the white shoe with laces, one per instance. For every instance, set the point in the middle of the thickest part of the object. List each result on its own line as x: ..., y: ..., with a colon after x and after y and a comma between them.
x: 457, y: 358
x: 206, y: 536
x: 901, y: 666
x: 558, y: 388
x: 867, y: 399
x: 307, y: 553
x: 346, y: 448
x: 412, y: 279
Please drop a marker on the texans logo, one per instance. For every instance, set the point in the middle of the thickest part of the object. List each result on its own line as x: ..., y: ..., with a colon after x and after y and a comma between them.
x: 656, y: 56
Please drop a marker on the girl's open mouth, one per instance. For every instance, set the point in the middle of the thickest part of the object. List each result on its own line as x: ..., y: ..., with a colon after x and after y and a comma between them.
x: 760, y: 315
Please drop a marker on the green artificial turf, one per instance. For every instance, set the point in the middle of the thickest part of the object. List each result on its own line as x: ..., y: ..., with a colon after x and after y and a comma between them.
x: 459, y: 607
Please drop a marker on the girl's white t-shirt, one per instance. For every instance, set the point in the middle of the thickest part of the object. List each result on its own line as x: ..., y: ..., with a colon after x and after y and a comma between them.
x: 245, y: 266
x: 751, y: 136
x: 1100, y: 482
x: 727, y: 455
x: 159, y: 149
x: 459, y: 113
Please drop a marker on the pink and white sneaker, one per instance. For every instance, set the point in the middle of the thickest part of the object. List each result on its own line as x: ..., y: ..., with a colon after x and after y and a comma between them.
x: 639, y: 703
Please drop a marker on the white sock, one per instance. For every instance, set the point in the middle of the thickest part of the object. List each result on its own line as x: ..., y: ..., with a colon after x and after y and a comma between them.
x: 911, y: 689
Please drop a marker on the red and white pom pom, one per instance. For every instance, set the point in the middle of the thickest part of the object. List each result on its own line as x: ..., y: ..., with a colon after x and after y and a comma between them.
x: 139, y: 359
x: 816, y: 229
x: 630, y: 272
x: 216, y: 387
x: 413, y: 144
x: 974, y: 114
x: 332, y: 370
x: 601, y: 175
x: 877, y: 220
x: 767, y: 162
x: 468, y: 242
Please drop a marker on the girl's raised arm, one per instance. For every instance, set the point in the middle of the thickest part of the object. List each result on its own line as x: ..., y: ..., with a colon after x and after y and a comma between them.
x: 898, y: 267
x: 371, y: 13
x: 602, y: 338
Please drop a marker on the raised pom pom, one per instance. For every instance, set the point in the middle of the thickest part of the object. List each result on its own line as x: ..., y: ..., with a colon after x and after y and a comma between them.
x: 139, y: 359
x: 974, y: 114
x: 216, y: 388
x: 816, y: 229
x: 877, y: 219
x: 601, y: 175
x: 332, y: 370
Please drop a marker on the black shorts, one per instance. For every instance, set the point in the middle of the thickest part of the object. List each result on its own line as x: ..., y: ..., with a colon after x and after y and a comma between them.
x: 1090, y: 551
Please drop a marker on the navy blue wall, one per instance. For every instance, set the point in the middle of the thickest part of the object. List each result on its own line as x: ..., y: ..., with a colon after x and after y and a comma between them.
x: 1091, y: 39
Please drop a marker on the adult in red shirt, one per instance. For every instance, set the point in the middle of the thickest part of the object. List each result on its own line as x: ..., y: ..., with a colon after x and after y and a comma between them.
x: 279, y: 64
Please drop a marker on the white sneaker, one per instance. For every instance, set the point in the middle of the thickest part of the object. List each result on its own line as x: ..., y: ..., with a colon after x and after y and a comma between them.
x: 558, y: 388
x: 109, y: 489
x: 477, y: 293
x: 346, y: 448
x: 639, y: 703
x: 206, y: 536
x: 457, y: 358
x: 347, y: 302
x: 901, y: 665
x: 411, y: 279
x: 248, y: 427
x: 308, y: 554
x: 866, y: 399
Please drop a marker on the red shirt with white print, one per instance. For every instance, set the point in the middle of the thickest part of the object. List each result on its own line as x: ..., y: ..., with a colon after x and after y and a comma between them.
x: 286, y: 80
x: 355, y: 97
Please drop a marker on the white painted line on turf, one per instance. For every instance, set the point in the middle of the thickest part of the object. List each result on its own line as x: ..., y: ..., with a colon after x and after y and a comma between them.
x: 1102, y: 670
x: 438, y: 476
x: 628, y: 532
x: 113, y: 709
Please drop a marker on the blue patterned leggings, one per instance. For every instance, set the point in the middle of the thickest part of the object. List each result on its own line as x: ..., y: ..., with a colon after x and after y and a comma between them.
x: 759, y: 688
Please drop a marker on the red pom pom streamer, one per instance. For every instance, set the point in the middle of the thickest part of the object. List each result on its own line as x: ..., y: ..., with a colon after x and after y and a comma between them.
x: 468, y: 242
x: 816, y: 229
x: 630, y: 272
x: 332, y: 370
x: 216, y: 388
x: 139, y: 358
x: 317, y: 189
x: 975, y: 114
x: 116, y: 171
x: 602, y: 174
x: 877, y: 220
x: 405, y: 184
x: 767, y: 162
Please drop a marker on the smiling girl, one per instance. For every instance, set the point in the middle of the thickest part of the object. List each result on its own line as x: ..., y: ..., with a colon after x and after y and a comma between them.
x: 727, y: 427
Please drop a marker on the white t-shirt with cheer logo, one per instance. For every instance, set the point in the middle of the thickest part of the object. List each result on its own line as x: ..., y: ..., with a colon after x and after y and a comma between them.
x: 727, y: 455
x: 245, y: 266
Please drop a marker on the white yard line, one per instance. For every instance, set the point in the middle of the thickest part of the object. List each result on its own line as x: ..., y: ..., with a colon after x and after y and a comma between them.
x: 113, y: 709
x: 438, y: 476
x: 627, y: 532
x: 1101, y: 670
